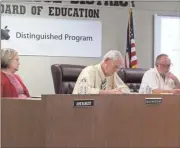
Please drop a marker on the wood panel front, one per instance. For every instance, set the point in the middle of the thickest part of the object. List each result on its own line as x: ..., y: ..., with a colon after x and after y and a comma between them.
x: 22, y: 123
x: 118, y: 121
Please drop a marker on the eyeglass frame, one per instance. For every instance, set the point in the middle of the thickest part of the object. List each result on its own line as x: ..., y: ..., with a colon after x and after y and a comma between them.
x: 165, y: 65
x: 116, y: 66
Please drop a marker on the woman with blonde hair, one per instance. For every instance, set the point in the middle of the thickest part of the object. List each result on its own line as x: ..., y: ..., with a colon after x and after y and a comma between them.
x: 11, y: 84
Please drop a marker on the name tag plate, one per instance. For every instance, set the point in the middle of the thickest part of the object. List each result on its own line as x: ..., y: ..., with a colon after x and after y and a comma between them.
x: 153, y: 100
x: 83, y: 103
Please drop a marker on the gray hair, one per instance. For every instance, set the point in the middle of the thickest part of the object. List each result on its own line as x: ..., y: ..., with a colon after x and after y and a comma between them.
x: 7, y: 56
x: 159, y: 58
x: 114, y: 55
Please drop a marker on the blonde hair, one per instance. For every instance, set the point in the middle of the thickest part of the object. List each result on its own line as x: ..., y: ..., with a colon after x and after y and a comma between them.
x: 7, y: 56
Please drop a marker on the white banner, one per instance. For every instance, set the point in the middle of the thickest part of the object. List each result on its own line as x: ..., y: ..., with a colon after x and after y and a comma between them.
x: 51, y: 36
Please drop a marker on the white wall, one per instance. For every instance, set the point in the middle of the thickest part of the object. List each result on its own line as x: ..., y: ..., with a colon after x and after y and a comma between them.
x: 35, y: 70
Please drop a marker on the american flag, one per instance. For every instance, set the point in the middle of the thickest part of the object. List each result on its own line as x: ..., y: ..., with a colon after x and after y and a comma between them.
x: 130, y: 57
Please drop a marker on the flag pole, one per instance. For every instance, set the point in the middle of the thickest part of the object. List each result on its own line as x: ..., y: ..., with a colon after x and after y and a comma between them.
x: 130, y: 56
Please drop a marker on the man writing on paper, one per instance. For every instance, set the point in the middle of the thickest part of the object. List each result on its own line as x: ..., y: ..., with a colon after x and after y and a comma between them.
x: 160, y: 79
x: 102, y: 78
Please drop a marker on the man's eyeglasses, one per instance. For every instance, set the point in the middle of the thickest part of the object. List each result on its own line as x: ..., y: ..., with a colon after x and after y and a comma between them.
x: 115, y: 66
x: 166, y: 65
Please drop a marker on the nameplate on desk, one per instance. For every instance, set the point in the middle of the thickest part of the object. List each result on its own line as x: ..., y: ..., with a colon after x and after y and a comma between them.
x: 153, y: 100
x: 83, y: 103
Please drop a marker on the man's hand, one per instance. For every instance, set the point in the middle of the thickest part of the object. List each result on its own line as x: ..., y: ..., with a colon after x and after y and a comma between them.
x: 176, y: 80
x: 116, y: 91
x: 172, y: 76
x: 113, y: 91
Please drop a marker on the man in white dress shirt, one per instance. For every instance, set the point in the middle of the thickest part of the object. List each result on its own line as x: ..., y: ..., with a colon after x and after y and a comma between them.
x: 102, y: 78
x: 160, y: 79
